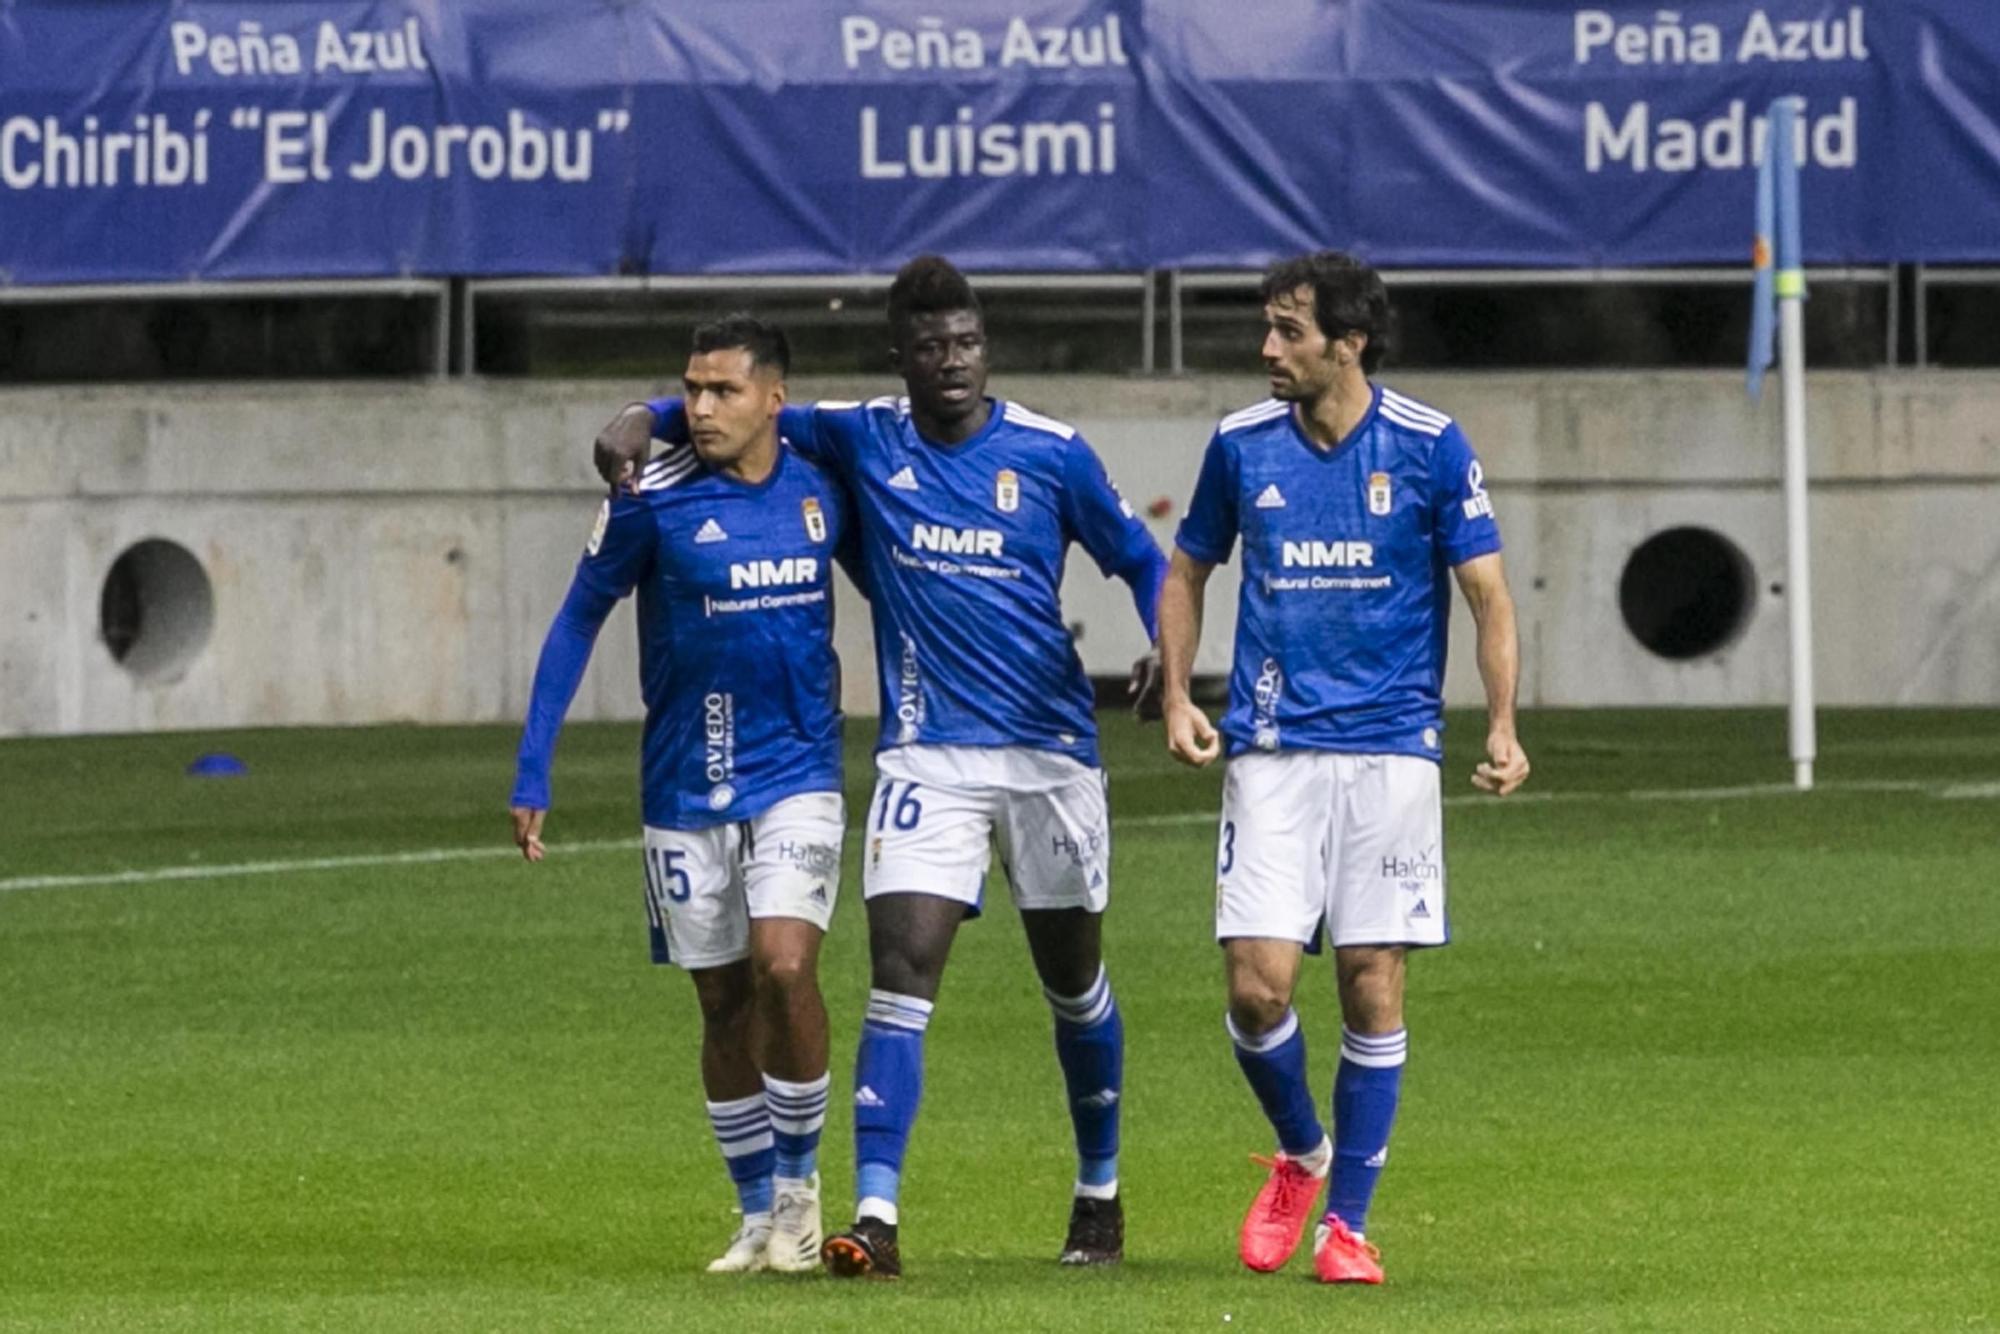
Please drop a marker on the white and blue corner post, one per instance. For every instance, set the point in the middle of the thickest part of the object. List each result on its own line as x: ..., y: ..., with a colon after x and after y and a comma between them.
x: 1783, y: 285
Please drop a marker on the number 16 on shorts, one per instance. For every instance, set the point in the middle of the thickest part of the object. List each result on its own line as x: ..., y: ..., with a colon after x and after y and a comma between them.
x: 896, y: 810
x: 898, y: 804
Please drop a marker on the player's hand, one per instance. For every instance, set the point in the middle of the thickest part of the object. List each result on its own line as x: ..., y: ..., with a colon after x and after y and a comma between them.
x: 1505, y: 767
x: 620, y: 448
x: 1147, y: 687
x: 1191, y: 739
x: 528, y: 832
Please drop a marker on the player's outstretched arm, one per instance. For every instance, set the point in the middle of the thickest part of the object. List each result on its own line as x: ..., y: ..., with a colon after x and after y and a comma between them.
x: 618, y: 555
x: 1483, y: 581
x: 1097, y: 515
x: 1206, y: 536
x: 1148, y: 578
x: 1191, y: 738
x: 559, y: 671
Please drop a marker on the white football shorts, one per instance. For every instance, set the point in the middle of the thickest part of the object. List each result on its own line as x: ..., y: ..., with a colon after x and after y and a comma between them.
x: 1351, y: 843
x: 940, y: 812
x: 704, y: 885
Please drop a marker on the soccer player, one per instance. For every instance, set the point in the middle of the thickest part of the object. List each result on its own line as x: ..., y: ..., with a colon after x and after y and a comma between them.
x: 966, y: 507
x: 1352, y: 501
x: 728, y: 541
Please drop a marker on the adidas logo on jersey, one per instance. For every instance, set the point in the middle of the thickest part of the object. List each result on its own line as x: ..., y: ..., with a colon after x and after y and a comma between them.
x: 1270, y: 498
x: 710, y: 531
x: 903, y: 479
x: 868, y: 1097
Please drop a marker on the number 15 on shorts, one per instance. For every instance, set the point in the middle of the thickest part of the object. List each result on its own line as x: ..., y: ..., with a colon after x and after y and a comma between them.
x: 666, y: 879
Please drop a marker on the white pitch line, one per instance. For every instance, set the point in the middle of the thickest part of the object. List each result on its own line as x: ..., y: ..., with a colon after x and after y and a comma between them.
x: 1771, y: 790
x: 1970, y: 791
x: 428, y: 856
x: 162, y: 874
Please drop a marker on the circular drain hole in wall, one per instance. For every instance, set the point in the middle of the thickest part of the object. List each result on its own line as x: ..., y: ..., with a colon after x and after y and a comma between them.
x: 1686, y: 592
x: 156, y: 610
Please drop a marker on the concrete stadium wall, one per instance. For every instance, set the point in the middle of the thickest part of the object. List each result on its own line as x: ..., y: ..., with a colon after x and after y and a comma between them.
x: 394, y: 551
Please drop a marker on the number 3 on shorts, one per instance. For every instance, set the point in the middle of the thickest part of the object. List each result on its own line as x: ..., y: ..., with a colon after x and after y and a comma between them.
x: 1228, y: 847
x: 908, y: 810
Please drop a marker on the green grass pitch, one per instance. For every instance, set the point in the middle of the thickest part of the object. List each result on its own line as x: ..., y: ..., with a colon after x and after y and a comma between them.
x: 1720, y: 1061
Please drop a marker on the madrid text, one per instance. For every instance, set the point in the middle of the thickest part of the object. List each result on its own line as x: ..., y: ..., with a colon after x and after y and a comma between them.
x: 1639, y: 137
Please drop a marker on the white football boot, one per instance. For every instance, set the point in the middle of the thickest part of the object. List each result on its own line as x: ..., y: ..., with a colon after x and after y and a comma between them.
x: 795, y: 1227
x: 746, y: 1253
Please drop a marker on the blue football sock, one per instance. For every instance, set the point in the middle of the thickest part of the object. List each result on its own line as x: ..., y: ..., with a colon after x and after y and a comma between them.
x: 888, y: 1085
x: 743, y: 1128
x: 798, y: 1112
x: 1364, y: 1107
x: 1275, y: 1065
x: 1090, y: 1044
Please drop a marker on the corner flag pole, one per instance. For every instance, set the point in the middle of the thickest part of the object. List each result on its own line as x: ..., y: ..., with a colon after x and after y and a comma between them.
x: 1778, y: 219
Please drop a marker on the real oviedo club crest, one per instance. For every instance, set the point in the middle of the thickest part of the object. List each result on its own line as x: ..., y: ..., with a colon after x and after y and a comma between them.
x: 1378, y: 493
x: 815, y: 518
x: 1007, y: 491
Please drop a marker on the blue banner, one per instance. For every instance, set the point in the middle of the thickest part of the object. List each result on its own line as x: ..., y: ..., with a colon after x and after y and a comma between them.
x: 289, y: 138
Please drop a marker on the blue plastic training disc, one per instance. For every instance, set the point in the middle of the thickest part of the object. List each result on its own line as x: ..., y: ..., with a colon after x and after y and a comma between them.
x: 218, y: 764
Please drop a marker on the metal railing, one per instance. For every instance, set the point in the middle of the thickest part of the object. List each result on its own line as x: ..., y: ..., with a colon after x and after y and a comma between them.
x: 437, y: 290
x: 1180, y: 281
x: 462, y: 295
x: 1145, y: 284
x: 1927, y: 278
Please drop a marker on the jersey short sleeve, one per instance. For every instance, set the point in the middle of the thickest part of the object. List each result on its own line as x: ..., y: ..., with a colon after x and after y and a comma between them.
x: 1208, y: 531
x: 1464, y: 524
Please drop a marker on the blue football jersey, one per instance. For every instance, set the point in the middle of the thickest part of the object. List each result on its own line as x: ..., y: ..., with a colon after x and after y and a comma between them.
x: 736, y: 659
x: 1347, y: 553
x: 963, y: 547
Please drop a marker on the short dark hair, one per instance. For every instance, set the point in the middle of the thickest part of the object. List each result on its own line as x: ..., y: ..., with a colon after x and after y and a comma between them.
x: 928, y: 285
x: 1348, y: 297
x: 765, y: 342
